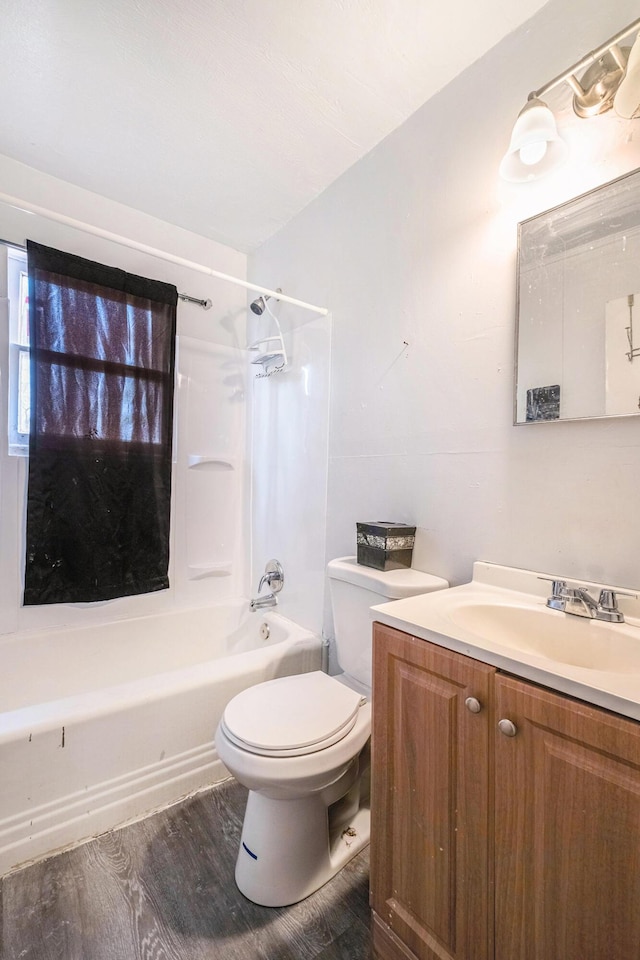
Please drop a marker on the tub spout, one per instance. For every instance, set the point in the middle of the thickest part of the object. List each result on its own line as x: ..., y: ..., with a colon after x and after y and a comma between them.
x: 270, y: 600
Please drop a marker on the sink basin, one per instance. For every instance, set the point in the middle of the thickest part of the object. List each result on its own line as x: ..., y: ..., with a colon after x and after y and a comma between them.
x: 500, y: 618
x: 563, y: 638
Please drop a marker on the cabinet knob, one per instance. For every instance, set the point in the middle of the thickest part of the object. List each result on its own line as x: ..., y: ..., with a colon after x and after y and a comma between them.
x: 507, y: 727
x: 473, y: 705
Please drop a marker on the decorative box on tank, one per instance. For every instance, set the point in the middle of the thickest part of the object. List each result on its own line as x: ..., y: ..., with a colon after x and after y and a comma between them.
x: 384, y: 545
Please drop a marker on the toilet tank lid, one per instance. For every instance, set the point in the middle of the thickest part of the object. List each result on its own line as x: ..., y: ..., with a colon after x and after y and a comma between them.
x: 393, y: 584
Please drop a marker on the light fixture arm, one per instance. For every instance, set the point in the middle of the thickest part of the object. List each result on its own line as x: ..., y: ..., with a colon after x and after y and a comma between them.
x: 568, y: 76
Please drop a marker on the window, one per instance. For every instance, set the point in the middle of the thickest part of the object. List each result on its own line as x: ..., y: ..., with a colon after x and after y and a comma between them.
x: 18, y: 380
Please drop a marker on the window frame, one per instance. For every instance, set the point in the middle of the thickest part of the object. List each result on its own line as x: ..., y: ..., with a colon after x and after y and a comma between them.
x: 17, y: 347
x: 12, y: 474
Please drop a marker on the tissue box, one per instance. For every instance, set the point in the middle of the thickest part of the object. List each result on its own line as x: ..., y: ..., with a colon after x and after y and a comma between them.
x: 384, y: 545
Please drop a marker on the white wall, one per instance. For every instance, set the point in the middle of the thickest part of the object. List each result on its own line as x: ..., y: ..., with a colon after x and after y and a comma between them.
x: 209, y: 542
x: 414, y: 251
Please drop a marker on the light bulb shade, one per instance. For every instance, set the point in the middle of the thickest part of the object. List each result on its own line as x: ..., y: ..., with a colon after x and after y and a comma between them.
x: 536, y: 147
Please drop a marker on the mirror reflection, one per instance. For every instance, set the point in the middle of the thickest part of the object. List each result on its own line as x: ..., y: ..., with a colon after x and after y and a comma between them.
x: 578, y: 315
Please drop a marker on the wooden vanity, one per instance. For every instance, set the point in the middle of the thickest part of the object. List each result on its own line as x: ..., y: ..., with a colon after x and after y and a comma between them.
x: 511, y: 842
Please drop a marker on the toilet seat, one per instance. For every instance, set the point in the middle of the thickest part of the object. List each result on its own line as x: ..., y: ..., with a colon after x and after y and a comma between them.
x: 291, y: 716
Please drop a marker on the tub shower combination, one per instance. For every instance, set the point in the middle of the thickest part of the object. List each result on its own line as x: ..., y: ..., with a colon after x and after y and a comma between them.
x: 88, y: 742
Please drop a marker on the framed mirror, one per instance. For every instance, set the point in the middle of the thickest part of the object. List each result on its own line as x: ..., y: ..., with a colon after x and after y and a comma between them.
x: 578, y: 307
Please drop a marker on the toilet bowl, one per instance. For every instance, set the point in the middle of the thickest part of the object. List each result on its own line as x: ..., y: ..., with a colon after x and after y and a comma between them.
x: 307, y: 812
x: 300, y: 745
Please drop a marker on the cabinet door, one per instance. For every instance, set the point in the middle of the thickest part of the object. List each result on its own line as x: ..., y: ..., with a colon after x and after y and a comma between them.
x: 567, y: 829
x: 430, y: 799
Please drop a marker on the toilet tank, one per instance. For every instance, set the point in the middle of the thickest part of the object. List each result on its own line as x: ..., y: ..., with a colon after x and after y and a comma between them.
x: 354, y: 590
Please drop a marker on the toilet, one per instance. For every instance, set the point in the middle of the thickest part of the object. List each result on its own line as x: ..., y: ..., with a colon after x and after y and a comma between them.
x: 300, y: 744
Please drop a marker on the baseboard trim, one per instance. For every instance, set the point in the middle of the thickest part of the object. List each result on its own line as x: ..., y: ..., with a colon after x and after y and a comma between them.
x: 41, y: 831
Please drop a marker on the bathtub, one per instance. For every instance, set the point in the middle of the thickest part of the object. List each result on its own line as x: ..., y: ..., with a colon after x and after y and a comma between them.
x: 101, y: 725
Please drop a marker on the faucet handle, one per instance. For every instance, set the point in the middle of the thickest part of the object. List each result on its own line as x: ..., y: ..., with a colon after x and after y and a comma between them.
x: 608, y: 605
x: 273, y: 575
x: 558, y: 587
x: 559, y: 593
x: 608, y: 600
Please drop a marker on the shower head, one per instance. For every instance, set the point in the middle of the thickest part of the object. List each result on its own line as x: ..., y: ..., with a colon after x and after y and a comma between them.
x: 260, y: 304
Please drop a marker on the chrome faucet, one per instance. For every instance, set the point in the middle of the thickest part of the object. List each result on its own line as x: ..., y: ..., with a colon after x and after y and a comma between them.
x: 269, y: 600
x: 274, y: 577
x: 579, y: 602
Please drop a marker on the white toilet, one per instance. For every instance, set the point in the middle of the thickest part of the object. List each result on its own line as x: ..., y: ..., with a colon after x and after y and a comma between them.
x: 300, y: 745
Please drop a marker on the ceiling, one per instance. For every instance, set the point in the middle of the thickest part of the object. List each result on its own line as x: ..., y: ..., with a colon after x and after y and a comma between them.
x: 225, y: 117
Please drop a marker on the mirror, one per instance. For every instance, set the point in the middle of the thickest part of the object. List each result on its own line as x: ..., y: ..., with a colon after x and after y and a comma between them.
x: 578, y: 309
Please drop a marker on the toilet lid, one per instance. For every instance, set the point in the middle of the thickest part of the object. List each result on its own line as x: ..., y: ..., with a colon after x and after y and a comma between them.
x: 291, y: 715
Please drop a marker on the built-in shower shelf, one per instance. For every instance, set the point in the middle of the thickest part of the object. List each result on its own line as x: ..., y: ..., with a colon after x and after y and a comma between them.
x: 217, y: 463
x: 201, y: 571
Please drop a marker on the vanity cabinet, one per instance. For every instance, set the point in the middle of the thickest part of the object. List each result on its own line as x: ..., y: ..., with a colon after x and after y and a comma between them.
x: 489, y: 844
x: 430, y: 852
x: 567, y: 828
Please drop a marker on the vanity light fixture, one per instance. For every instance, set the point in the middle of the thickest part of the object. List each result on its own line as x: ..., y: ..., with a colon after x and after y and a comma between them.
x: 536, y: 146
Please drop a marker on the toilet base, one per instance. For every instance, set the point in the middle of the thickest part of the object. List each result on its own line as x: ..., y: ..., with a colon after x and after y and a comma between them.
x: 290, y: 848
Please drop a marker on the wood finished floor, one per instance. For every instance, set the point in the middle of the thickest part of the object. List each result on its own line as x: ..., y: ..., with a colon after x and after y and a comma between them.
x: 163, y: 889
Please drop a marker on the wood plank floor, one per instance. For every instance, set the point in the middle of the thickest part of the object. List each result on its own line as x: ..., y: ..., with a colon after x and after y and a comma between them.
x: 163, y: 889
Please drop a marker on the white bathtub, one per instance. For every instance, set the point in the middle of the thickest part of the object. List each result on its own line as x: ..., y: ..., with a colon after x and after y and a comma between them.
x: 100, y: 725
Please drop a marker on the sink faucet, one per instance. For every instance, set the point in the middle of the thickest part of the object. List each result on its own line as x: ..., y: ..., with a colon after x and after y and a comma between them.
x: 579, y: 602
x: 274, y: 577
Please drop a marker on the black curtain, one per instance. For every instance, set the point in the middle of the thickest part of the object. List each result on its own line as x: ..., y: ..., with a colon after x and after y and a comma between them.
x: 102, y: 345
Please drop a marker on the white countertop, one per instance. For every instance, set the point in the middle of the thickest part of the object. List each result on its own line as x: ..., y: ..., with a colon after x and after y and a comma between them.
x: 433, y: 617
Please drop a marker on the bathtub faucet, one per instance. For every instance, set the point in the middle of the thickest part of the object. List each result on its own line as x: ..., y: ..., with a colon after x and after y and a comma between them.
x: 274, y: 577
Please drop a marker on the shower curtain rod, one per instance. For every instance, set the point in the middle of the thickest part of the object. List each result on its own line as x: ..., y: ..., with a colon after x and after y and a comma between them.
x: 28, y: 207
